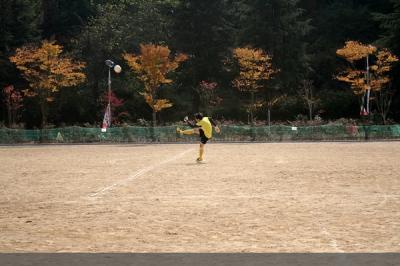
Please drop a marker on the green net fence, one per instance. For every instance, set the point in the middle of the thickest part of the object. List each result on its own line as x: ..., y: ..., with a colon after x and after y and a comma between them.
x: 228, y: 134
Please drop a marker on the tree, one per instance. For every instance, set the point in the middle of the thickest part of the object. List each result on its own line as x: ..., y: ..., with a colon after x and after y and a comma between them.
x: 208, y: 97
x: 13, y: 101
x: 307, y: 93
x: 374, y: 78
x: 152, y: 66
x: 381, y: 82
x: 64, y: 19
x: 203, y: 30
x: 19, y: 20
x: 271, y: 103
x: 389, y: 21
x: 359, y: 79
x: 333, y: 23
x: 19, y: 24
x: 116, y: 27
x: 47, y: 71
x: 255, y: 67
x: 279, y: 27
x: 390, y: 24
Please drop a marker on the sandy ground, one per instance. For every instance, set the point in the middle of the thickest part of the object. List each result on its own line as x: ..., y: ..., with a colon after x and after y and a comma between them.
x: 293, y: 197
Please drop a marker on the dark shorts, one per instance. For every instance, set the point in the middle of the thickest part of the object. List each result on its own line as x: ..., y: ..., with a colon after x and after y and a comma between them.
x: 203, y: 138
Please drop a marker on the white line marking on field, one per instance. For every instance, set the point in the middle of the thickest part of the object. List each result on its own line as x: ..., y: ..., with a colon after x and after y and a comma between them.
x: 138, y: 174
x: 271, y: 196
x: 333, y: 243
x: 384, y: 201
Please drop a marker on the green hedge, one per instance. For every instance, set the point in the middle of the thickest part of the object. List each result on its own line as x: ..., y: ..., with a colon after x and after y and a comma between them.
x: 229, y: 133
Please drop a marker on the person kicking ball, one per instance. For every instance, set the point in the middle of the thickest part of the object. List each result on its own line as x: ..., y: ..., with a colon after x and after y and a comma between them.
x: 203, y: 126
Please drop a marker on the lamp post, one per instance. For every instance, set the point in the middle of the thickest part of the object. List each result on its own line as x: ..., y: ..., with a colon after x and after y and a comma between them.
x: 107, y: 115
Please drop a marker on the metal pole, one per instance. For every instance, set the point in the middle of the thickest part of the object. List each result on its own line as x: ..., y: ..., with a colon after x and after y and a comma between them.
x: 109, y: 94
x: 109, y: 85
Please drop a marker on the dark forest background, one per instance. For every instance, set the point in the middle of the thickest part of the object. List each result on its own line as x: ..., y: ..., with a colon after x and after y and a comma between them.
x: 302, y: 36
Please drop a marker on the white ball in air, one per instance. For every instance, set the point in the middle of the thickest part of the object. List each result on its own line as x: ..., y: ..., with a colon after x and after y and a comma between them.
x: 117, y: 69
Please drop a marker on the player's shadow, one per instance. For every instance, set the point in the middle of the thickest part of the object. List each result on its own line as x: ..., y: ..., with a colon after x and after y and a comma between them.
x: 195, y: 163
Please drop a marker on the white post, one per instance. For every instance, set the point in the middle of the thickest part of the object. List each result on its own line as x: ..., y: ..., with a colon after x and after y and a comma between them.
x: 109, y: 91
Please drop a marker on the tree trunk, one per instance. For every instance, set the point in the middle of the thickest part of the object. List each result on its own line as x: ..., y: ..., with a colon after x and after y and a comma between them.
x: 383, y: 100
x: 44, y: 114
x: 386, y: 102
x: 310, y: 110
x: 10, y: 122
x: 251, y: 109
x: 50, y: 10
x: 154, y: 119
x: 14, y: 117
x: 269, y: 120
x: 368, y: 84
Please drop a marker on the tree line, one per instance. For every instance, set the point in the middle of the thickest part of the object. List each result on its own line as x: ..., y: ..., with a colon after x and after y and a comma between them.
x: 272, y: 60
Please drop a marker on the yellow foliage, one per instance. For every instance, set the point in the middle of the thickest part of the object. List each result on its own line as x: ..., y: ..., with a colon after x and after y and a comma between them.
x: 45, y: 70
x: 157, y: 104
x: 29, y: 93
x: 255, y: 66
x: 275, y: 100
x: 356, y: 79
x: 354, y: 51
x: 384, y: 62
x: 152, y: 66
x: 161, y: 104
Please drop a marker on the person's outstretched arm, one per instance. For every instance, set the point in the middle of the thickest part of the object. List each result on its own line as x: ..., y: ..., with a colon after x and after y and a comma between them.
x: 214, y: 124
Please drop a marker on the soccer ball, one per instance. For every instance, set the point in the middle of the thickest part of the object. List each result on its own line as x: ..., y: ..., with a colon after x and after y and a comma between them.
x: 117, y: 69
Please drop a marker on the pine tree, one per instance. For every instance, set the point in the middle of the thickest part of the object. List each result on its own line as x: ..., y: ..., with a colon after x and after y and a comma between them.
x: 201, y: 29
x: 63, y: 19
x: 19, y: 24
x: 390, y: 23
x: 279, y: 28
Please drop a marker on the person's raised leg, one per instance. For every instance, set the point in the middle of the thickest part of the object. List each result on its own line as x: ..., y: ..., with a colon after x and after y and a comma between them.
x: 185, y: 132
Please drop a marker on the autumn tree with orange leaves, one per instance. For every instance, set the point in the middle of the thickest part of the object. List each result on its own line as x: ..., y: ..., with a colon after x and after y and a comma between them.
x: 152, y: 66
x: 373, y: 78
x: 255, y: 67
x: 46, y: 71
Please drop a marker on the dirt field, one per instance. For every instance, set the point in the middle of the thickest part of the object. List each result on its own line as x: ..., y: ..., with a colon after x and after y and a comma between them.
x: 295, y: 197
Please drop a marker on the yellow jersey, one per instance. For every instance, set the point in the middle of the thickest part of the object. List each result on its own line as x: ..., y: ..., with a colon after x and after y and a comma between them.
x: 206, y: 126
